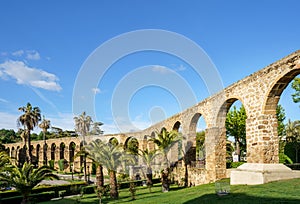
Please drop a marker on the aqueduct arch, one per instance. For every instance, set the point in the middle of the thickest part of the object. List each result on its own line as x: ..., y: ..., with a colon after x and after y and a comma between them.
x: 259, y: 93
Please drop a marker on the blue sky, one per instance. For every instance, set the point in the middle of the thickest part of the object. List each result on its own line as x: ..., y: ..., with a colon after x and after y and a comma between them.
x: 43, y: 46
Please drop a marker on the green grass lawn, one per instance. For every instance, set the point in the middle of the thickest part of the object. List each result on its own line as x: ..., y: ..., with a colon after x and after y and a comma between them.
x: 275, y: 192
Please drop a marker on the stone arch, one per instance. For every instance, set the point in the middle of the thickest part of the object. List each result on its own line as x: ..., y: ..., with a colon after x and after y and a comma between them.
x: 53, y: 151
x: 62, y: 147
x: 276, y: 90
x: 72, y: 147
x: 199, y: 155
x: 135, y: 145
x: 114, y: 141
x: 12, y: 154
x: 152, y: 135
x: 176, y: 126
x: 8, y: 151
x: 220, y: 139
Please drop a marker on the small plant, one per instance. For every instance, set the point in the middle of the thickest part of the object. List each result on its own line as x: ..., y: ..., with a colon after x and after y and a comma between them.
x: 101, y: 191
x: 132, y: 190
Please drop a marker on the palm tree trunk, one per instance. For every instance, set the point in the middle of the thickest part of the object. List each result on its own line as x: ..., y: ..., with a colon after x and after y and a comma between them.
x: 186, y: 175
x: 99, y: 176
x: 29, y: 153
x: 25, y: 199
x: 113, y: 185
x: 84, y: 168
x: 297, y: 149
x: 165, y: 180
x: 149, y: 176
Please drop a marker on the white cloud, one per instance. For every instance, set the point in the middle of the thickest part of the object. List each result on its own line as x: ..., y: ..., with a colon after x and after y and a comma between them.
x: 96, y: 90
x: 180, y: 68
x: 63, y: 120
x: 160, y: 69
x: 8, y: 121
x: 18, y: 53
x: 29, y: 75
x: 29, y: 54
x: 32, y: 55
x: 3, y: 100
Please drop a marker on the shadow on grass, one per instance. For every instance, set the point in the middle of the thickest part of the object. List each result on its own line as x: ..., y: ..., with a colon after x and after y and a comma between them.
x: 239, y: 198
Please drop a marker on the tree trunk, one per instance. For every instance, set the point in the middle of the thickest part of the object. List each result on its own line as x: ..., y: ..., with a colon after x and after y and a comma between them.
x: 113, y: 185
x: 237, y: 149
x: 84, y: 168
x: 99, y: 176
x: 25, y: 199
x: 29, y: 153
x: 165, y: 180
x: 297, y: 154
x: 186, y: 175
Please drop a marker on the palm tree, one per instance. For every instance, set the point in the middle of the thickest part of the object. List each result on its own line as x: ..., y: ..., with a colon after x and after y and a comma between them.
x: 4, y: 159
x: 82, y: 127
x: 164, y: 141
x: 45, y: 125
x: 26, y: 178
x: 148, y: 158
x: 292, y: 131
x: 110, y: 156
x: 29, y: 120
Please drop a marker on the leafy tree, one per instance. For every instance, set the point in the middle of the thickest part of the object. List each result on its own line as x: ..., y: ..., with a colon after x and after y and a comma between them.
x: 26, y: 178
x: 200, y: 148
x: 82, y: 127
x: 96, y: 130
x: 280, y: 113
x: 164, y: 141
x: 292, y: 131
x: 110, y: 156
x: 296, y: 86
x: 236, y: 127
x: 9, y: 136
x: 29, y: 120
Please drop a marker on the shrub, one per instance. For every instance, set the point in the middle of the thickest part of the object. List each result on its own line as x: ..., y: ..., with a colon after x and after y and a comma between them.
x: 51, y: 164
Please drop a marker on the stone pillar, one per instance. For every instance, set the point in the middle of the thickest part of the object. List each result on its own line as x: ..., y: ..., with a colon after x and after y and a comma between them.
x: 262, y: 139
x: 215, y: 147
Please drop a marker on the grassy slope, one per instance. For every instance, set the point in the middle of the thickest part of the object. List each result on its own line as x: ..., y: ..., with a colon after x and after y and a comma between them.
x: 276, y: 192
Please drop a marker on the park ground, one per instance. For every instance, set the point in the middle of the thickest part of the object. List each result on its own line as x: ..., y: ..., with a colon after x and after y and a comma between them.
x: 287, y: 191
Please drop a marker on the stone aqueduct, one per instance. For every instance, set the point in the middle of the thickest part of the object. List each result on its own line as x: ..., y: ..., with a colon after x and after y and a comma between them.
x: 259, y: 93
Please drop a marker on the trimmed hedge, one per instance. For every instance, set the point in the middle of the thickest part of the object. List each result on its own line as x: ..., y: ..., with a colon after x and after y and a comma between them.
x: 233, y: 164
x: 45, y: 193
x: 50, y: 191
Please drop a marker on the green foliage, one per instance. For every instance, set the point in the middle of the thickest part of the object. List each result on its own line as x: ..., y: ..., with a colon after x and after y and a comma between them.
x: 62, y: 164
x: 165, y: 140
x: 200, y: 141
x: 114, y: 141
x: 51, y: 164
x: 24, y: 179
x: 292, y: 133
x: 296, y: 86
x: 236, y: 127
x: 280, y: 113
x: 9, y: 136
x: 284, y: 159
x: 132, y: 146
